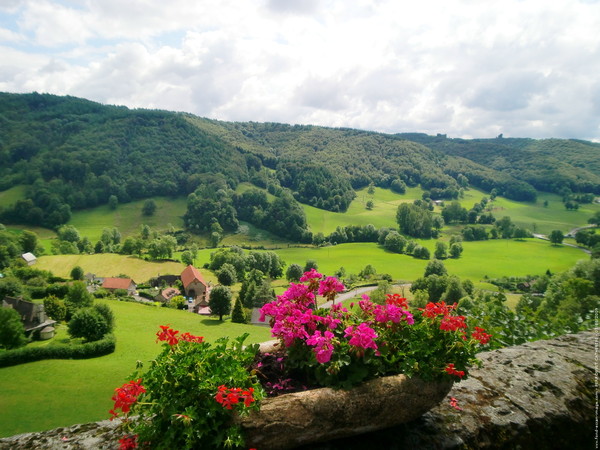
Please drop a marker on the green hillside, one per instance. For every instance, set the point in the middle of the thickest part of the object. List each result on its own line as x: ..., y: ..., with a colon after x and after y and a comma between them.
x: 67, y: 154
x: 548, y: 164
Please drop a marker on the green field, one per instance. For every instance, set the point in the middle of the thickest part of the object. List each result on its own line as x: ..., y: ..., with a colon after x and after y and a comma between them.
x: 55, y: 393
x: 108, y: 265
x: 533, y: 216
x: 128, y: 217
x: 10, y: 196
x: 493, y: 258
x: 383, y: 214
x: 540, y: 219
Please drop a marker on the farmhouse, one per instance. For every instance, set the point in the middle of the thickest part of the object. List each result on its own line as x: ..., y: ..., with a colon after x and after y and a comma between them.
x: 113, y: 284
x: 33, y: 316
x: 195, y: 287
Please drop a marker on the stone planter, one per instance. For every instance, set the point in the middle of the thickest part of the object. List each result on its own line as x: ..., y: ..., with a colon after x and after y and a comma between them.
x: 317, y: 415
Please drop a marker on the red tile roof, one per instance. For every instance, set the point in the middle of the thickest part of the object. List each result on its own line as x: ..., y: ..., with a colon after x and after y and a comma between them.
x: 117, y: 283
x: 191, y: 274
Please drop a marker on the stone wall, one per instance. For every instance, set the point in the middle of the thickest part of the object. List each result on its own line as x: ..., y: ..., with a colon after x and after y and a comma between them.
x: 540, y: 395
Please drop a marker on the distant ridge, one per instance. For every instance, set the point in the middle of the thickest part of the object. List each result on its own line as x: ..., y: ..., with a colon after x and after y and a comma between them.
x: 73, y: 153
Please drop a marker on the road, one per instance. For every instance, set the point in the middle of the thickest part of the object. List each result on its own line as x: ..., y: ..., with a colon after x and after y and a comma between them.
x: 544, y: 237
x: 355, y: 293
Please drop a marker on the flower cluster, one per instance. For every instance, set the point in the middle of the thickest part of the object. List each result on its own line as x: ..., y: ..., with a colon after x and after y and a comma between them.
x: 341, y: 347
x: 168, y: 335
x: 125, y: 396
x: 480, y: 335
x: 184, y: 391
x: 229, y: 397
x: 450, y: 370
x: 128, y: 442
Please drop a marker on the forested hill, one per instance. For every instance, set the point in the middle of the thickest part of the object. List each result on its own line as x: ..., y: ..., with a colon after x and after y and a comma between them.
x: 74, y: 153
x: 548, y: 164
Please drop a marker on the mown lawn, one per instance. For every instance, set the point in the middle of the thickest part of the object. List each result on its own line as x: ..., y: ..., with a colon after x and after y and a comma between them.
x: 108, y: 265
x: 55, y: 393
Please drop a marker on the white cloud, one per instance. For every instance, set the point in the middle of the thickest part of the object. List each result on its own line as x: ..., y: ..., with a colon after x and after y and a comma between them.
x: 466, y: 68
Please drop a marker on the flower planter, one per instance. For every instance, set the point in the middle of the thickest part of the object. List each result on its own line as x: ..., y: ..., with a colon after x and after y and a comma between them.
x: 318, y: 415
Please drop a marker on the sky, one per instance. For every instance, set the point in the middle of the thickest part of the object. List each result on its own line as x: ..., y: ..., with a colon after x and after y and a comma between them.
x: 465, y: 68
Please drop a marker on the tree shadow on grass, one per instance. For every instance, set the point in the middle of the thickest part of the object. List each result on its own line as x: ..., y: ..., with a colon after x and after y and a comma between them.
x: 211, y: 322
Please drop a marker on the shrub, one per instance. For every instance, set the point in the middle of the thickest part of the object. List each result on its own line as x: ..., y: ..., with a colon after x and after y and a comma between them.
x: 55, y: 308
x: 89, y: 324
x: 107, y: 313
x: 102, y: 347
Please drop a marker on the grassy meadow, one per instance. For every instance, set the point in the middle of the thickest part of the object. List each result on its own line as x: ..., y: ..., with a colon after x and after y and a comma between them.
x: 55, y: 393
x: 108, y: 265
x: 533, y: 216
x: 128, y: 217
x: 491, y: 259
x: 383, y: 214
x: 10, y: 196
x: 540, y: 219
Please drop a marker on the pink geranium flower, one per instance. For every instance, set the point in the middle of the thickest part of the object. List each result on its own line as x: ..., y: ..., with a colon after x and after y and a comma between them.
x: 362, y: 336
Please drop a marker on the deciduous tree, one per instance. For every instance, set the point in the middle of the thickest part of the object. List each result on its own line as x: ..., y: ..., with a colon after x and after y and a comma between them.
x: 220, y: 301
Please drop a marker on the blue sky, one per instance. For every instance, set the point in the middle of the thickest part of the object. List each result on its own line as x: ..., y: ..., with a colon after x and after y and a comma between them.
x: 468, y: 68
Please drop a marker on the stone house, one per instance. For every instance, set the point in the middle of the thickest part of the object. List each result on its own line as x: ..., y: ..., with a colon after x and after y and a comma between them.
x: 195, y: 287
x: 33, y: 316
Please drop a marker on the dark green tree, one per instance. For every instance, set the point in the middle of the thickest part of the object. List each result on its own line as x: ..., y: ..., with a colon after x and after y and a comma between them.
x: 310, y: 264
x: 12, y: 331
x: 149, y: 208
x: 78, y: 297
x: 436, y: 267
x: 89, y: 324
x: 55, y: 308
x: 77, y: 273
x: 226, y: 275
x: 238, y: 315
x: 556, y: 237
x: 29, y: 241
x: 294, y: 272
x: 69, y: 233
x: 107, y: 313
x: 113, y: 202
x: 264, y: 294
x: 220, y: 301
x: 441, y: 250
x: 10, y: 287
x: 394, y: 242
x: 456, y: 250
x: 186, y: 258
